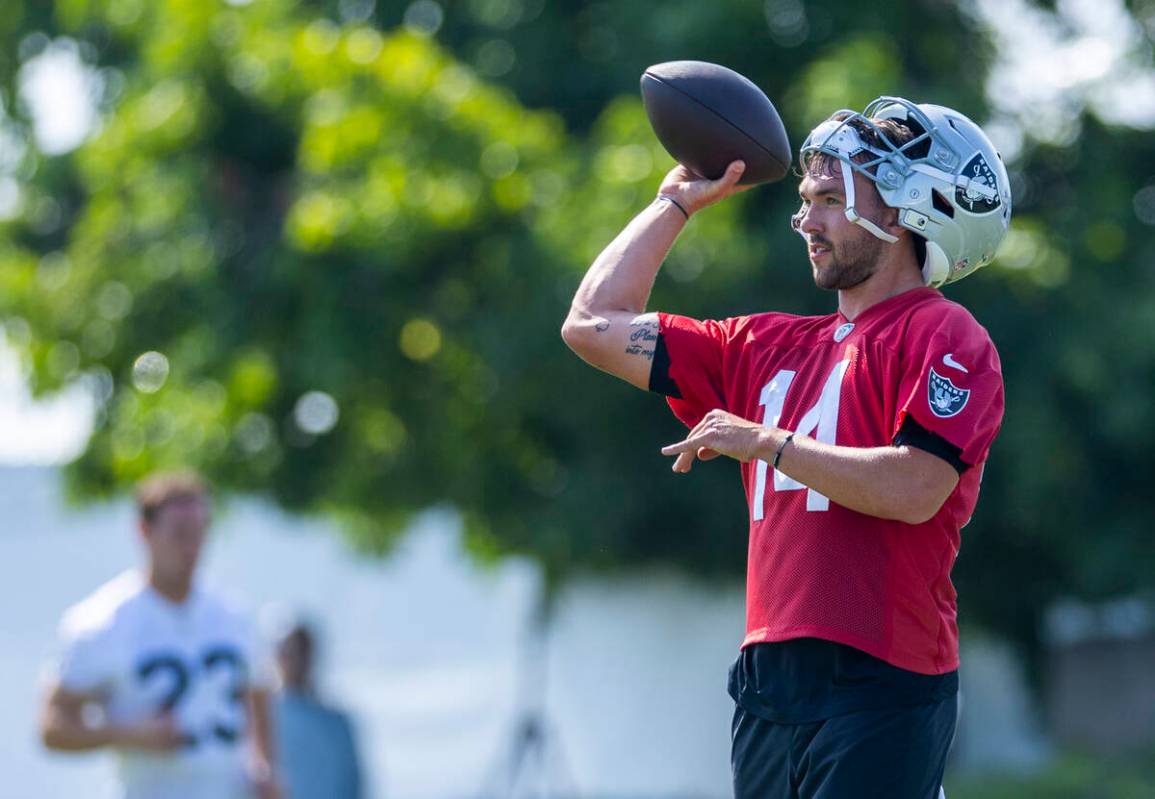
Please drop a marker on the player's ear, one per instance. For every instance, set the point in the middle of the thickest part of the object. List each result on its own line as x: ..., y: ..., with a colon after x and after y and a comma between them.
x: 887, y: 215
x: 889, y: 222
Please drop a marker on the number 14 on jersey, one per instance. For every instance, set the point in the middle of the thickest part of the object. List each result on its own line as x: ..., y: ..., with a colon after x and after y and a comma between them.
x: 820, y: 423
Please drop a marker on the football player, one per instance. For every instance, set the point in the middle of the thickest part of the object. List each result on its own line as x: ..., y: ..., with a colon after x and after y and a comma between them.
x: 861, y: 435
x: 163, y: 672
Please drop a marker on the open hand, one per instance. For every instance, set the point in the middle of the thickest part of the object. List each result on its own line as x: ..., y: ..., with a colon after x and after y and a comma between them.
x: 695, y: 192
x: 719, y: 433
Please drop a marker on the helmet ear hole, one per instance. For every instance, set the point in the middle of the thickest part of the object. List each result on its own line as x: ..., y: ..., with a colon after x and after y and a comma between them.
x: 941, y: 203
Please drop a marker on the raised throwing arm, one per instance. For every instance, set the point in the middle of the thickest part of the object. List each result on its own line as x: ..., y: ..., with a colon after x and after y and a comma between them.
x: 607, y: 324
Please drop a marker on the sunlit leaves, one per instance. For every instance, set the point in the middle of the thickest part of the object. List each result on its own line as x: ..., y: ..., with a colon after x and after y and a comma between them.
x: 849, y: 75
x: 301, y: 304
x: 1029, y: 251
x: 252, y: 379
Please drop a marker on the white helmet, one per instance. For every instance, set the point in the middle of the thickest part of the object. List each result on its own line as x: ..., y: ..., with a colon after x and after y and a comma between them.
x: 948, y: 183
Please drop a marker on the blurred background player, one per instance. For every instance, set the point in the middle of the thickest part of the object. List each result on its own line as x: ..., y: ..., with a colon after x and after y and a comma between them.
x: 317, y: 743
x: 163, y: 672
x: 862, y: 436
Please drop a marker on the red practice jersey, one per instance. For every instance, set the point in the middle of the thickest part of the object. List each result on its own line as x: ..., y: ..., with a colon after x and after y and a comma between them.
x: 815, y: 568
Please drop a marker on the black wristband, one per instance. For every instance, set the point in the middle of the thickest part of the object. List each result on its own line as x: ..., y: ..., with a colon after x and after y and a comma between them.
x: 782, y: 446
x: 677, y: 205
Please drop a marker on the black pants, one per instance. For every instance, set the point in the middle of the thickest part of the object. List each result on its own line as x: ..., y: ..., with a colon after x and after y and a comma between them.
x: 893, y: 753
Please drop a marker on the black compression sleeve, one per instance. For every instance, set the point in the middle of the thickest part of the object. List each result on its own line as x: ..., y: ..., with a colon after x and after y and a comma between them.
x: 660, y: 380
x: 912, y: 434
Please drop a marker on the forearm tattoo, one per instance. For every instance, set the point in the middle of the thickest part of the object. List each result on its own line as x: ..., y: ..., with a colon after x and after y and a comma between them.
x: 643, y: 338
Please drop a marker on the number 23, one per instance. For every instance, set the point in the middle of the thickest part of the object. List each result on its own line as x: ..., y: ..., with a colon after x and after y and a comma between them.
x: 180, y: 679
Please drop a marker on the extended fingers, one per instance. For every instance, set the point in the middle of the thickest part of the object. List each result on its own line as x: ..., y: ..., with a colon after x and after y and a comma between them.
x: 697, y: 438
x: 687, y: 451
x: 686, y: 459
x: 700, y: 443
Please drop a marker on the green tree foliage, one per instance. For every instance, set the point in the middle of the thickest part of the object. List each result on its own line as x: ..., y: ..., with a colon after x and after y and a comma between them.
x: 322, y: 250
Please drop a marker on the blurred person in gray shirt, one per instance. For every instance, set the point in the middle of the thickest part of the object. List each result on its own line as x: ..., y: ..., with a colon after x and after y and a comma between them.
x: 317, y: 742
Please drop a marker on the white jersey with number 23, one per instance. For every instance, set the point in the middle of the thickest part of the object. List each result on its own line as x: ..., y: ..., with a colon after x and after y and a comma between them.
x: 146, y: 656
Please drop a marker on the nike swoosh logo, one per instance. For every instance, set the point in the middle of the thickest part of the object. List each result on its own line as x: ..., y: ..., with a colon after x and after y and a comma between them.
x: 949, y: 360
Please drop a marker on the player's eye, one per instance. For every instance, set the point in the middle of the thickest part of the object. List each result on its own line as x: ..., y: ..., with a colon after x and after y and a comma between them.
x: 831, y: 200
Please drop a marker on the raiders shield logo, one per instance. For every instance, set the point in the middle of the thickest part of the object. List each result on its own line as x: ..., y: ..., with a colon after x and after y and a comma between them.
x: 945, y: 398
x: 979, y: 171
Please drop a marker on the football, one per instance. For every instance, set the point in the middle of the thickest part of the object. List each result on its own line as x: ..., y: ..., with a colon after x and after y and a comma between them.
x: 707, y: 116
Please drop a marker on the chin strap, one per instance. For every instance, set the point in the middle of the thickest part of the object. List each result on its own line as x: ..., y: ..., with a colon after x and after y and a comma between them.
x: 852, y: 214
x: 863, y: 222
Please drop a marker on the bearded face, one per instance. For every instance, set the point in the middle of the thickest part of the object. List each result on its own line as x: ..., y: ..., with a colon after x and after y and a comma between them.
x: 842, y: 254
x: 850, y: 257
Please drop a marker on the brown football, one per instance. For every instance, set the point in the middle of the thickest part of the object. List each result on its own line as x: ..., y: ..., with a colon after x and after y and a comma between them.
x: 707, y: 116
